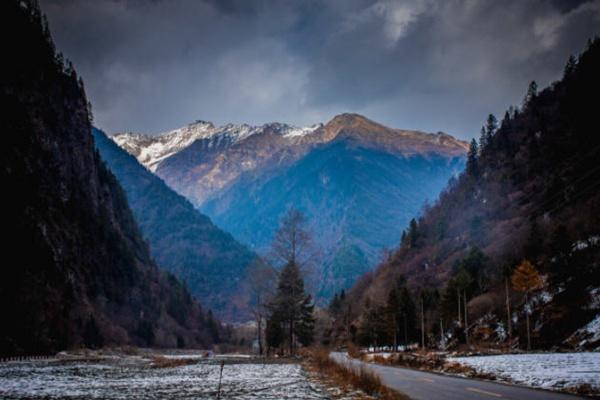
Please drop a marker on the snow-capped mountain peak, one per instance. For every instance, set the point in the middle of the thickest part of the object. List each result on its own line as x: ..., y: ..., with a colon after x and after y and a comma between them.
x: 152, y: 150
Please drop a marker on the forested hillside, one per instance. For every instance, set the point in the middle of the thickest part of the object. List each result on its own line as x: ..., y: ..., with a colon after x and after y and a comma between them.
x: 182, y: 240
x: 76, y: 271
x: 529, y: 198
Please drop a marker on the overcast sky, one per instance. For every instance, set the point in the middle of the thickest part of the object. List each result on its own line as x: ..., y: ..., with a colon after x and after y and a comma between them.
x: 155, y: 65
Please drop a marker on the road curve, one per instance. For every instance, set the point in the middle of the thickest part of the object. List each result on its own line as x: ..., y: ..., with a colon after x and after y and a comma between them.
x: 420, y: 385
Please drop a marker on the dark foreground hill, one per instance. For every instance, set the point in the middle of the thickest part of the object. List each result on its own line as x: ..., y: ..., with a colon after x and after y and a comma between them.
x: 76, y: 271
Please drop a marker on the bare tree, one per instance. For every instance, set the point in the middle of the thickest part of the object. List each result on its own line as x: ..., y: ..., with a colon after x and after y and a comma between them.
x: 261, y: 283
x: 293, y: 243
x: 291, y: 307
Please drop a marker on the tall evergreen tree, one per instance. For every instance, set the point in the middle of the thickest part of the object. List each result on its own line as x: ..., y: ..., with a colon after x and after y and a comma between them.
x: 213, y: 327
x: 491, y: 126
x: 530, y: 95
x: 482, y: 139
x: 570, y: 66
x: 292, y: 308
x: 472, y: 159
x: 413, y: 233
x: 401, y: 314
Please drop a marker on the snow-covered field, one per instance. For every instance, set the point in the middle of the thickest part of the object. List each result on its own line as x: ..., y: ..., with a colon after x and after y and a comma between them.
x: 549, y: 371
x: 132, y: 377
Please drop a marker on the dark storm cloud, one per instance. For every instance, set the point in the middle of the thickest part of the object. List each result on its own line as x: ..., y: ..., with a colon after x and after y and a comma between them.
x: 432, y: 65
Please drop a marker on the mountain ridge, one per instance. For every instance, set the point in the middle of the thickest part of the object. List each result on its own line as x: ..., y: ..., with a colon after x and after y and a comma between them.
x: 138, y: 144
x: 246, y: 178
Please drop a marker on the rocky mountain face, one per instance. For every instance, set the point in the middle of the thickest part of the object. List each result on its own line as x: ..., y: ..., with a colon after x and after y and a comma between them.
x: 357, y: 181
x: 77, y: 271
x: 182, y: 240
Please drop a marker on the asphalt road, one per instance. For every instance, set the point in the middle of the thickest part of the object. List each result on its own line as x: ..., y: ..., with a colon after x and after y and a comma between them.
x: 420, y: 385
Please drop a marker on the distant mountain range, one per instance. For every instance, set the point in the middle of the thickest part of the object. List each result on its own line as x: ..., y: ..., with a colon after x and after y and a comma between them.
x: 357, y: 181
x: 182, y: 240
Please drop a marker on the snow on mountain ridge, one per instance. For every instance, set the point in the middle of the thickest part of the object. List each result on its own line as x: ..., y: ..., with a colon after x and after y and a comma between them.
x: 152, y: 150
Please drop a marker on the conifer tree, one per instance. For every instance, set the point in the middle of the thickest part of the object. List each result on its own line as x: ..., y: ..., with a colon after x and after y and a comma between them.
x: 413, y: 233
x: 274, y: 331
x: 482, y: 139
x: 491, y: 127
x: 531, y: 94
x: 570, y: 66
x: 472, y: 159
x: 213, y: 327
x: 292, y: 308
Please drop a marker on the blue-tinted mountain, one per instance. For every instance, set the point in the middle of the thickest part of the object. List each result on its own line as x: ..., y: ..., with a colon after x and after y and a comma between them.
x: 182, y: 240
x: 357, y: 181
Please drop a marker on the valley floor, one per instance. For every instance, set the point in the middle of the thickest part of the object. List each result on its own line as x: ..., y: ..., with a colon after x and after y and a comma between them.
x: 164, y: 376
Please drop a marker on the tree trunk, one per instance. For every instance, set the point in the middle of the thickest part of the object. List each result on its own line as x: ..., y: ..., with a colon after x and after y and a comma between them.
x: 441, y: 331
x: 395, y: 335
x: 458, y: 297
x: 259, y: 335
x: 291, y: 338
x: 422, y: 325
x: 527, y: 321
x: 508, y: 316
x: 466, y: 320
x: 405, y: 332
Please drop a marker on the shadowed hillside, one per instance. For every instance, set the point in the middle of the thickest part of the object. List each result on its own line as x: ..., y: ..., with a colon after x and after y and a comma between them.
x: 530, y: 191
x: 76, y: 271
x: 182, y: 240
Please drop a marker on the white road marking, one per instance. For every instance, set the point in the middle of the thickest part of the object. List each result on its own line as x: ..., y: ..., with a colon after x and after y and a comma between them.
x: 427, y: 380
x: 470, y: 389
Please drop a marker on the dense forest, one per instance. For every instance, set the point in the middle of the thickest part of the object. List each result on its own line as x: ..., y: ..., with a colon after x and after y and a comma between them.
x: 509, y: 254
x: 76, y: 271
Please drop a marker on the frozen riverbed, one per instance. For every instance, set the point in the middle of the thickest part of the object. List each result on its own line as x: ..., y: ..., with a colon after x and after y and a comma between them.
x: 547, y: 370
x: 132, y: 377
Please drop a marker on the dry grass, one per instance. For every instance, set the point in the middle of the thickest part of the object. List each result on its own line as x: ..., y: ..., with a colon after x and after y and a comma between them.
x: 360, y: 379
x: 164, y: 362
x: 353, y: 350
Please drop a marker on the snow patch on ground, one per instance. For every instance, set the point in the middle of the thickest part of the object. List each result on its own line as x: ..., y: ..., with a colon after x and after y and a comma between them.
x: 133, y: 378
x: 590, y: 333
x: 584, y: 244
x: 548, y: 371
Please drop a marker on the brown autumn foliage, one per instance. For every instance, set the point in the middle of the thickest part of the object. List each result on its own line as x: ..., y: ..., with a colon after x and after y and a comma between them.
x: 164, y: 362
x: 526, y: 277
